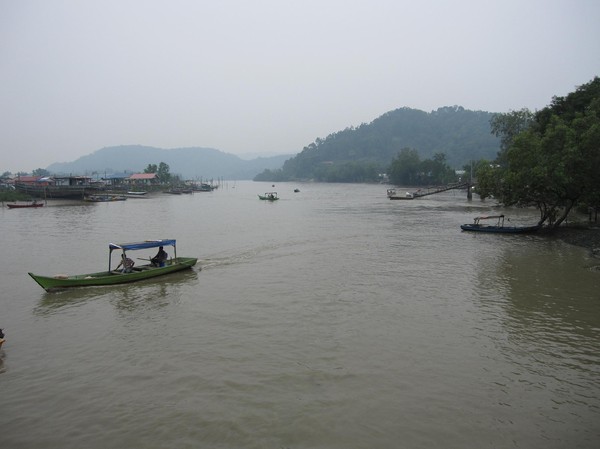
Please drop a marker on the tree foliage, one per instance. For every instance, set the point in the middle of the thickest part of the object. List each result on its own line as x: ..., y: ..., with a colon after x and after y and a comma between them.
x: 407, y: 169
x: 40, y: 172
x: 151, y: 168
x: 508, y: 126
x: 553, y: 163
x: 162, y: 171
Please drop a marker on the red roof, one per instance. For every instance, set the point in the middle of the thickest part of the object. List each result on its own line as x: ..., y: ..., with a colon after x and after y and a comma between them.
x: 143, y: 176
x: 27, y: 178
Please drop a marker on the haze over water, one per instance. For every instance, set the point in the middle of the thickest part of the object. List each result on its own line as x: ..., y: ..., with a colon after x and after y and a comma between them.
x: 332, y: 318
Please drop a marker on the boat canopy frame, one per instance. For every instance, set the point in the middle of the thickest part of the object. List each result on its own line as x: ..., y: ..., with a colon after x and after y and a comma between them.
x: 146, y: 244
x: 490, y: 217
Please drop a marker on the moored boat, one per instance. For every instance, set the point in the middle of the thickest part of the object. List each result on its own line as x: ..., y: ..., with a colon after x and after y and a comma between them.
x: 498, y: 228
x: 269, y: 196
x: 70, y: 187
x: 22, y: 206
x: 392, y: 195
x: 114, y: 276
x: 104, y: 198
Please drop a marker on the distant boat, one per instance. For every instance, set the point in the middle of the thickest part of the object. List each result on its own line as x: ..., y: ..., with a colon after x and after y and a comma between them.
x: 498, y: 228
x: 392, y: 195
x: 22, y: 206
x: 178, y: 191
x: 296, y: 190
x: 136, y: 193
x: 70, y: 187
x: 114, y: 276
x: 269, y: 196
x: 203, y: 187
x: 104, y: 198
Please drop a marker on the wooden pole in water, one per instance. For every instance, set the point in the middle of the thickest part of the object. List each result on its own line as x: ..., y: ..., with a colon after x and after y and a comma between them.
x: 469, y: 193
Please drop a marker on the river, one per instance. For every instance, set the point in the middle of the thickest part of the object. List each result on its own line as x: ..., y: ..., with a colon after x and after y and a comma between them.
x: 332, y: 318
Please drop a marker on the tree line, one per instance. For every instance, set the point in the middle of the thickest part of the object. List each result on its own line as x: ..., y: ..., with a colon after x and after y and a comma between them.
x: 549, y: 159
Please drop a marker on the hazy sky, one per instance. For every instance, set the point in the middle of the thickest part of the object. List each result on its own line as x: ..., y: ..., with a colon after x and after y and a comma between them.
x: 269, y: 76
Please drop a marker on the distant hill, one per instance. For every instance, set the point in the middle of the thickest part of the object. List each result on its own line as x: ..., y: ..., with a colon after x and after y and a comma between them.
x: 189, y: 163
x: 460, y: 134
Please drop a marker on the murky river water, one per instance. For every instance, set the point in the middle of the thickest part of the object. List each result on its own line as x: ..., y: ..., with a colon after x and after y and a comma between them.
x: 332, y: 318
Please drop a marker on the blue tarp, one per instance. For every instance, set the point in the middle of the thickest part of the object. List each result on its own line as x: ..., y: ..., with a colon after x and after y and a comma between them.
x: 142, y: 245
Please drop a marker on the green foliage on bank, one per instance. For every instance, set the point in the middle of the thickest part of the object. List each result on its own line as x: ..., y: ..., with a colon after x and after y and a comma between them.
x: 408, y: 169
x: 549, y: 159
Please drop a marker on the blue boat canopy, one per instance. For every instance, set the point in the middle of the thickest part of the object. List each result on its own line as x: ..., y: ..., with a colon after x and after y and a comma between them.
x: 142, y: 245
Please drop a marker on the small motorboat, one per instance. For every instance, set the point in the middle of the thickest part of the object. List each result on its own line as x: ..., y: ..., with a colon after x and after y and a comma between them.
x: 269, y: 196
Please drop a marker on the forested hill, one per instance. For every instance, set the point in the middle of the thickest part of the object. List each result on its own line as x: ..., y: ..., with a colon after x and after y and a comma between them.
x: 189, y: 163
x: 462, y: 135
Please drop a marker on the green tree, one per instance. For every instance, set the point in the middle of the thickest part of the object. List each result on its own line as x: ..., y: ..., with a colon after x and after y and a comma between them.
x: 40, y: 172
x: 151, y: 168
x: 163, y: 173
x: 508, y: 126
x: 404, y: 167
x: 553, y: 164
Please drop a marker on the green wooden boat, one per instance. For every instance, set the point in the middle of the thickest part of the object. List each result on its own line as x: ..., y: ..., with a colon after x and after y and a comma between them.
x: 115, y: 276
x: 269, y: 196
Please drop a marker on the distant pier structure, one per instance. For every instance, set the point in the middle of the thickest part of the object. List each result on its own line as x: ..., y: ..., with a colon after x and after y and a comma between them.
x: 392, y: 195
x: 439, y: 189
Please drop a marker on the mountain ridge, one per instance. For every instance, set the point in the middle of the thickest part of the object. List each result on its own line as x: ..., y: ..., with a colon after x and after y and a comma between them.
x: 187, y: 162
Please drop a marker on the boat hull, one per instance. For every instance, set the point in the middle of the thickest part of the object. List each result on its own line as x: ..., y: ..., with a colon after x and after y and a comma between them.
x: 499, y: 229
x: 23, y: 206
x: 104, y: 198
x: 68, y: 192
x: 57, y: 282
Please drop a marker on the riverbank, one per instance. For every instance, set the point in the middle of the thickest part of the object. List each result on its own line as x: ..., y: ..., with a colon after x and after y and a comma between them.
x: 585, y: 236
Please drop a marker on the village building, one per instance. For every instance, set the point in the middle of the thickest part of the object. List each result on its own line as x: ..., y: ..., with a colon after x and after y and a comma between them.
x: 143, y: 179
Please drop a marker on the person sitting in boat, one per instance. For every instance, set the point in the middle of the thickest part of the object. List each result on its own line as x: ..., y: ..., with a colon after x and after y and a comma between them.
x: 127, y: 264
x: 160, y: 258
